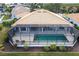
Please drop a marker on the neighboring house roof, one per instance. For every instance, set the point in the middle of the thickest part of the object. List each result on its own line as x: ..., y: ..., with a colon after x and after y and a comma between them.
x: 74, y: 16
x: 41, y: 17
x: 20, y: 11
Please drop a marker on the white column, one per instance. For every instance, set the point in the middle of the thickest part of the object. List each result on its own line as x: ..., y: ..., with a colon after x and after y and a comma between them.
x: 42, y: 29
x: 56, y: 28
x: 66, y: 29
x: 20, y: 32
x: 69, y: 29
x: 26, y: 29
x: 19, y: 29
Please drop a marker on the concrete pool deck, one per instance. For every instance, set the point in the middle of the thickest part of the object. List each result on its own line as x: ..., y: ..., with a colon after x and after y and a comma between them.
x: 32, y: 43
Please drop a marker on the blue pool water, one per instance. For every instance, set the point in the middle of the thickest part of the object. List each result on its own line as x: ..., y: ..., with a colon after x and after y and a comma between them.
x: 50, y: 37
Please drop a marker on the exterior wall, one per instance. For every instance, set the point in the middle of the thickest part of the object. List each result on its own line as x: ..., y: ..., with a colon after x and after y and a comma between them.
x: 41, y: 30
x: 56, y: 30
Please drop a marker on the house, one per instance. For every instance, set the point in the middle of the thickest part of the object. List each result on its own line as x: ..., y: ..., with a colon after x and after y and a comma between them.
x: 11, y: 4
x: 1, y: 9
x: 42, y: 28
x: 19, y: 11
x: 74, y: 18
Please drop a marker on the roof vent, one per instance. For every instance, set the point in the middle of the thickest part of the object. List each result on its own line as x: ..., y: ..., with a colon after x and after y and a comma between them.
x: 41, y: 11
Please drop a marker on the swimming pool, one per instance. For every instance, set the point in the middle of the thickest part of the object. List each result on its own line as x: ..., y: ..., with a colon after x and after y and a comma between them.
x: 50, y: 37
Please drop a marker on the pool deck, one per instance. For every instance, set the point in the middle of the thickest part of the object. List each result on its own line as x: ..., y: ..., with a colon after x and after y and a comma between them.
x: 32, y: 43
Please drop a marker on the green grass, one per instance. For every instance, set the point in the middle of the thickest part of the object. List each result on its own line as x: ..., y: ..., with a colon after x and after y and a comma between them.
x: 3, y: 34
x: 41, y: 54
x: 70, y: 4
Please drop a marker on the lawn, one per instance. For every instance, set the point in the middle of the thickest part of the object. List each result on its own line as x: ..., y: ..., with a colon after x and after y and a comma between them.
x: 40, y: 54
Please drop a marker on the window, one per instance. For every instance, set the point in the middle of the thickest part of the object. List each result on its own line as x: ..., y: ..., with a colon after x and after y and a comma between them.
x: 23, y: 28
x: 48, y: 28
x: 34, y: 28
x: 16, y: 29
x: 61, y: 28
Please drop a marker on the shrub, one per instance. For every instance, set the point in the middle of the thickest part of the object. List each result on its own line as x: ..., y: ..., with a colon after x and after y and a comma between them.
x: 7, y: 23
x: 71, y: 22
x: 1, y: 27
x: 2, y: 48
x: 77, y: 27
x: 53, y: 47
x: 62, y: 48
x: 26, y: 46
x: 46, y: 48
x: 1, y: 45
x: 14, y: 20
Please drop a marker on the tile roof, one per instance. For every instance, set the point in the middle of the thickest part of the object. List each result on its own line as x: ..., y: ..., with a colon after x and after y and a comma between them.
x: 20, y: 11
x: 74, y: 16
x: 42, y: 16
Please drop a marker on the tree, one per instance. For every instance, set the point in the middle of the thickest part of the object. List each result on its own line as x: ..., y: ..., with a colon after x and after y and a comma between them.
x: 8, y: 9
x: 52, y: 7
x: 72, y: 9
x: 64, y: 9
x: 36, y: 6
